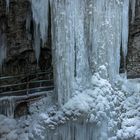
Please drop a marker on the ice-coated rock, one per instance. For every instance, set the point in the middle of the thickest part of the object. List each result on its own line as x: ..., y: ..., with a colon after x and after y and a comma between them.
x: 12, y: 135
x: 23, y: 136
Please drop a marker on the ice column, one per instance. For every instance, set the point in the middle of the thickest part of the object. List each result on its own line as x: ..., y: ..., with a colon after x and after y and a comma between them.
x: 63, y: 48
x: 81, y: 49
x: 40, y: 15
x: 68, y: 46
x: 125, y: 27
x: 106, y: 36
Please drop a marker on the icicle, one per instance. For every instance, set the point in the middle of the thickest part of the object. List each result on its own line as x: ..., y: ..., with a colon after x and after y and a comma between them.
x: 82, y: 66
x: 40, y: 15
x: 63, y: 48
x: 133, y: 5
x: 125, y: 27
x: 2, y: 49
x: 7, y: 106
x: 28, y: 21
x: 77, y: 131
x: 37, y: 43
x: 7, y: 5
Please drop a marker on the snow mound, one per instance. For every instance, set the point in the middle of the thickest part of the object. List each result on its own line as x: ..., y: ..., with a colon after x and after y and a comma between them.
x: 130, y: 126
x: 95, y: 105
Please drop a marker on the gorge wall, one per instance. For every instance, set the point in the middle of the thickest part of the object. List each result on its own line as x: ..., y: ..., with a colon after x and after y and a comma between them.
x: 17, y: 26
x: 133, y: 61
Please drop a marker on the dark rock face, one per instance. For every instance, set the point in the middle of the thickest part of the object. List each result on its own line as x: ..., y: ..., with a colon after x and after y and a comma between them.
x: 133, y: 60
x: 19, y: 36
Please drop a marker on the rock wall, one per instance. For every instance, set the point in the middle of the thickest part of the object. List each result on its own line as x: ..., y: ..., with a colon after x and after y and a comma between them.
x: 18, y: 26
x: 133, y: 59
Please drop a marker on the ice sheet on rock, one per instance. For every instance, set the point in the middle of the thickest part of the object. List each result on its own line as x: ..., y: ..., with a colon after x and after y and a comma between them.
x: 133, y: 6
x: 2, y: 48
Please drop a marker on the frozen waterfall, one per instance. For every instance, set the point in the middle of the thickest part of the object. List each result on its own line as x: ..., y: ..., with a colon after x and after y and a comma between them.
x: 85, y: 36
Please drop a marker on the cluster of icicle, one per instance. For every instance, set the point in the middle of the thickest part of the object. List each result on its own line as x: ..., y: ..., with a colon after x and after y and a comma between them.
x: 76, y: 131
x: 40, y: 16
x: 85, y: 35
x: 7, y: 106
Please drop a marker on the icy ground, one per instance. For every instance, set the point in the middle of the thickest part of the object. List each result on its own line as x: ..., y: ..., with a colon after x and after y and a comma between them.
x: 93, y: 105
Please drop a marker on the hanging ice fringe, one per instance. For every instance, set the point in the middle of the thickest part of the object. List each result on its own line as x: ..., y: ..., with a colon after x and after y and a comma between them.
x: 40, y: 10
